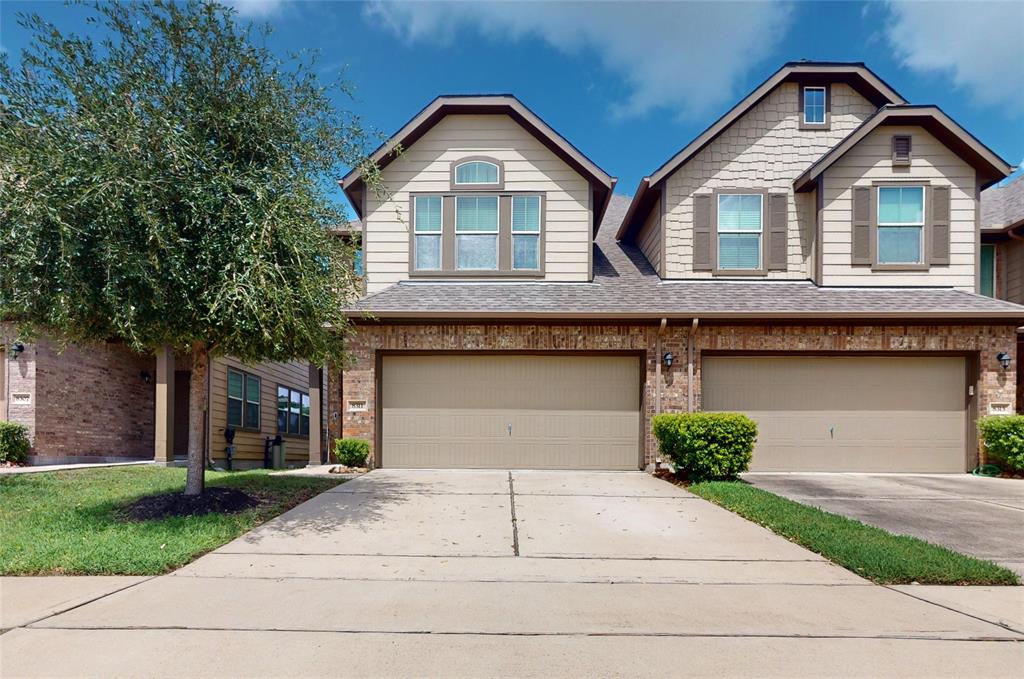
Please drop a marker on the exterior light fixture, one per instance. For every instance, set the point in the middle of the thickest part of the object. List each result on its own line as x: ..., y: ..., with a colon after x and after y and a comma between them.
x: 667, y: 359
x: 145, y: 376
x: 1004, y: 359
x: 16, y: 349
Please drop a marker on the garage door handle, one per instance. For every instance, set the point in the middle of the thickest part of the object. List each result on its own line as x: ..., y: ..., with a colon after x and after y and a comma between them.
x: 510, y: 430
x: 831, y: 432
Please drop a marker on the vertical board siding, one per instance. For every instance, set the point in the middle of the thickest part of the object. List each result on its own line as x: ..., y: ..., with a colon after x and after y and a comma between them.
x: 649, y: 238
x: 763, y: 150
x: 249, y: 444
x: 529, y: 166
x: 870, y: 161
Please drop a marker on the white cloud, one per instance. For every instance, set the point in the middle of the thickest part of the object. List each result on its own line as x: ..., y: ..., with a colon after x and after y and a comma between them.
x: 684, y: 56
x: 256, y: 9
x: 981, y: 44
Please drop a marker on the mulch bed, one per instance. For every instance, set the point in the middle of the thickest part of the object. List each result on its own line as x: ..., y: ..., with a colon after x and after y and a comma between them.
x: 219, y: 500
x: 671, y: 477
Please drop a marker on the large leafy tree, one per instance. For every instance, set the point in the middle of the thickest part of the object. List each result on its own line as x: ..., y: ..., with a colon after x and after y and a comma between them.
x: 165, y: 184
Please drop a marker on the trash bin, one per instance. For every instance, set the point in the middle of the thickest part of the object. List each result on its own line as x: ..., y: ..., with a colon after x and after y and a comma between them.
x: 277, y: 453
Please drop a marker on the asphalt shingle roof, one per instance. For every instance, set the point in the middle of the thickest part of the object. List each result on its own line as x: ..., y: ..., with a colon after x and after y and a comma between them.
x: 626, y: 286
x: 1002, y: 206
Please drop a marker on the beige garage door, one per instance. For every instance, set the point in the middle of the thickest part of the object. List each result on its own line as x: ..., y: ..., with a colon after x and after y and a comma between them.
x: 511, y: 411
x: 894, y: 414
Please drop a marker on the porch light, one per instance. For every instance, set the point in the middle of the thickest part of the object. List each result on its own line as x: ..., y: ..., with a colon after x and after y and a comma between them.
x: 667, y: 359
x: 16, y: 349
x: 1004, y: 359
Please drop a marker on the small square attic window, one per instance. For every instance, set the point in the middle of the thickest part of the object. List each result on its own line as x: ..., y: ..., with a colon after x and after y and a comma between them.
x: 901, y: 150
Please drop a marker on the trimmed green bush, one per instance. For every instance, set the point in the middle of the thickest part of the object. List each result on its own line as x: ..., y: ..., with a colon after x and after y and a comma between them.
x: 14, y: 443
x: 707, y: 446
x: 1004, y: 439
x: 351, y: 452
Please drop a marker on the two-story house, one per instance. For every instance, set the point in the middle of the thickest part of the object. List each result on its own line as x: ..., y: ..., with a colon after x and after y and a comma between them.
x: 810, y: 259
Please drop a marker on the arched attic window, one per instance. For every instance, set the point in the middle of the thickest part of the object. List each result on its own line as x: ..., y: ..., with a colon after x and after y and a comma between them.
x: 477, y: 173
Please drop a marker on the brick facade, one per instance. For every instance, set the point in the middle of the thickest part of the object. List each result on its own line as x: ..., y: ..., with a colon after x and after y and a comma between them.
x: 88, y: 403
x: 357, y: 382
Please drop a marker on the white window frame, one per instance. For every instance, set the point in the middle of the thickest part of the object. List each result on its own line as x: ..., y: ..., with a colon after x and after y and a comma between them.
x: 540, y: 218
x: 824, y: 105
x: 497, y: 174
x: 497, y: 228
x: 719, y: 231
x: 438, y: 234
x: 920, y: 226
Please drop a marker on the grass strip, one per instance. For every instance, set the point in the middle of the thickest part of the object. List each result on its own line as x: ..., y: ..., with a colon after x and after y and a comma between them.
x: 73, y: 522
x: 870, y: 552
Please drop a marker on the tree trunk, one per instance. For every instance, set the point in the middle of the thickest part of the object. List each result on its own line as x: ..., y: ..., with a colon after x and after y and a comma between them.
x: 196, y: 479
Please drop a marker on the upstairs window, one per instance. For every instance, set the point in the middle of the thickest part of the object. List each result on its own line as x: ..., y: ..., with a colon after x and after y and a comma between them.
x: 814, y: 105
x: 740, y: 228
x: 900, y: 224
x: 526, y: 232
x: 427, y: 220
x: 476, y: 173
x: 243, y: 400
x: 988, y: 270
x: 476, y: 233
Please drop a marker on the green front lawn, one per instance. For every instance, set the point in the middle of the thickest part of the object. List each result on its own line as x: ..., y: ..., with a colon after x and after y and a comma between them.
x: 72, y: 523
x: 870, y: 552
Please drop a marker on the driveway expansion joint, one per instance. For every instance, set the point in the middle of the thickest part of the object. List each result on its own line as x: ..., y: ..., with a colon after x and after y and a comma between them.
x: 512, y: 503
x: 956, y: 610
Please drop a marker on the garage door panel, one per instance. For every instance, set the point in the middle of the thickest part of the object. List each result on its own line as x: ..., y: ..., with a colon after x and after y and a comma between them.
x: 506, y: 411
x: 846, y: 413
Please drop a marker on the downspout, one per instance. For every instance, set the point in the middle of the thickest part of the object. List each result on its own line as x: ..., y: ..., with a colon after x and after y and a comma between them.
x: 689, y: 364
x: 657, y: 367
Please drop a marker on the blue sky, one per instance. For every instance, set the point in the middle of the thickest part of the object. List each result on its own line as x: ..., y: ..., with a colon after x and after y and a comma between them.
x: 632, y: 83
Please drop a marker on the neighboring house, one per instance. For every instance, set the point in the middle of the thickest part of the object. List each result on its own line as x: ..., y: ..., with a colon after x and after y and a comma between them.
x: 810, y: 259
x: 105, y: 403
x: 1002, y: 252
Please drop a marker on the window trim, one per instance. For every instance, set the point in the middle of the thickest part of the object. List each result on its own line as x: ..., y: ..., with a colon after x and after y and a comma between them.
x: 245, y: 399
x: 801, y: 108
x: 495, y: 186
x: 504, y: 270
x: 438, y: 234
x: 762, y: 254
x: 995, y: 270
x: 277, y: 409
x: 496, y: 233
x: 924, y: 265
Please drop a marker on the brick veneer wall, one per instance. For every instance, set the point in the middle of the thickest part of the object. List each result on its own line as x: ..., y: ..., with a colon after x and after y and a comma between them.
x: 358, y: 381
x: 89, y: 402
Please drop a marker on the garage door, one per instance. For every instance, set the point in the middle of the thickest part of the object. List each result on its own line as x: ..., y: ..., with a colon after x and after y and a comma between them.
x: 895, y: 414
x: 510, y: 411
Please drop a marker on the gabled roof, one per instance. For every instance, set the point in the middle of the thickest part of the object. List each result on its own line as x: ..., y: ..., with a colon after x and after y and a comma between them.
x: 990, y: 167
x: 602, y: 183
x: 855, y: 74
x: 1002, y: 207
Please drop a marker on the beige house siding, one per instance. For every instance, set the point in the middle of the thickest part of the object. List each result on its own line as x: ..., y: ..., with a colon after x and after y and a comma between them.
x: 870, y: 161
x: 1010, y: 271
x: 763, y: 150
x: 249, y: 444
x: 649, y: 238
x: 529, y: 166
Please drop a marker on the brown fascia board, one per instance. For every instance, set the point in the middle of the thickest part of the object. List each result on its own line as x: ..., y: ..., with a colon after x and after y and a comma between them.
x: 603, y: 183
x: 859, y: 76
x: 990, y: 166
x: 1013, y: 317
x: 1000, y: 234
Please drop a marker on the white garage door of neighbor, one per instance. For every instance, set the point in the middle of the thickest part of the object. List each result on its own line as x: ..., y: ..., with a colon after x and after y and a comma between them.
x: 510, y: 411
x: 846, y: 413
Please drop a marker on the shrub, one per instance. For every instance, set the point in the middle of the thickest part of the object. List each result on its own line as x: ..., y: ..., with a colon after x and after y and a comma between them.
x: 14, y: 443
x: 352, y: 452
x: 1004, y: 439
x: 707, y: 446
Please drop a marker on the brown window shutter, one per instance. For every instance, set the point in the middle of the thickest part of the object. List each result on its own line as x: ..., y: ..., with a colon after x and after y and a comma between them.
x: 778, y: 231
x: 861, y: 225
x: 702, y: 232
x: 939, y: 222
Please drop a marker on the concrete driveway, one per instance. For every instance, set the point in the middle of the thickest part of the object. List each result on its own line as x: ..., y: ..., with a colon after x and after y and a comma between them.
x: 519, y: 574
x: 971, y: 514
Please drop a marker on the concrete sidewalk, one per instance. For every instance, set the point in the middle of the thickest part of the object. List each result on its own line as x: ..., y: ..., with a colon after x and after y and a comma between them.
x: 534, y: 574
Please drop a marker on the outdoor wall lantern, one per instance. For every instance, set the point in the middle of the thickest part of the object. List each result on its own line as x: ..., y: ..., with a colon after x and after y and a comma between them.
x: 16, y: 349
x: 1004, y: 359
x: 668, y: 358
x: 145, y: 376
